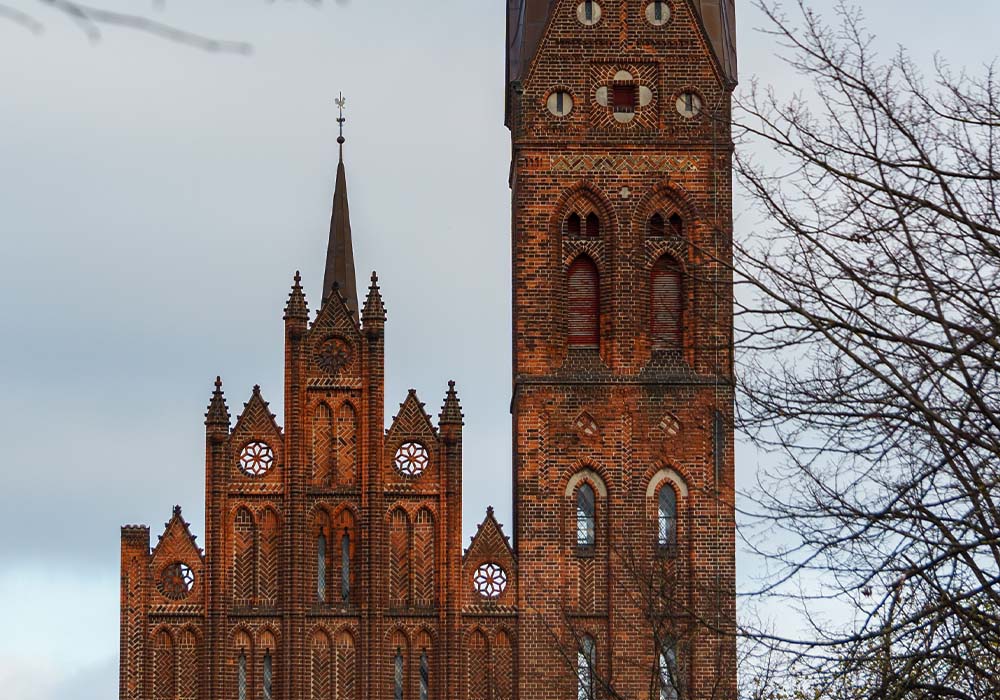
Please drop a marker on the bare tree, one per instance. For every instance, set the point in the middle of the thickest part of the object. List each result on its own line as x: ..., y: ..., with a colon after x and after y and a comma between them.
x: 93, y: 19
x: 869, y: 365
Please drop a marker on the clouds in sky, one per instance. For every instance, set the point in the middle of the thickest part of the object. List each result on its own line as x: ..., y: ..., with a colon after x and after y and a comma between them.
x: 154, y: 204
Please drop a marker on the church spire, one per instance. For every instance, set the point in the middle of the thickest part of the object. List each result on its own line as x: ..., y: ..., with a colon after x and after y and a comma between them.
x: 339, y: 251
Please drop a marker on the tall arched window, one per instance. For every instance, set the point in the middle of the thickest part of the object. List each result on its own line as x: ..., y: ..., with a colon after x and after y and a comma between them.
x: 398, y: 674
x: 666, y: 303
x: 241, y: 676
x: 321, y: 567
x: 267, y: 675
x: 656, y: 227
x: 666, y: 536
x: 583, y: 303
x: 425, y: 676
x: 676, y: 225
x: 668, y: 671
x: 345, y: 567
x: 586, y: 526
x: 593, y: 225
x: 585, y: 657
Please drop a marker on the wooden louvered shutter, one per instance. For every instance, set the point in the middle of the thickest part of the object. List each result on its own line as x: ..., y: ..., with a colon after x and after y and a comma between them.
x: 666, y: 304
x: 583, y: 303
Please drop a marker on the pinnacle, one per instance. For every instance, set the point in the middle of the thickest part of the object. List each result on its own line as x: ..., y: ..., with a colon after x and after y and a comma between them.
x: 218, y: 412
x: 296, y: 306
x: 177, y: 511
x: 374, y: 308
x: 451, y: 411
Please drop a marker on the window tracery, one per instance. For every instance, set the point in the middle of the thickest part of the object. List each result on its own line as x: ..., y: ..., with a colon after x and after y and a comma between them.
x: 411, y: 459
x: 490, y: 580
x: 256, y: 458
x: 176, y: 581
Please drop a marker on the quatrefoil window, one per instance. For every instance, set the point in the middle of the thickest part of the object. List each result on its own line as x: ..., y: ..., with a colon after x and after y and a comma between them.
x: 256, y: 458
x: 624, y: 96
x: 490, y: 580
x: 176, y: 581
x: 411, y: 459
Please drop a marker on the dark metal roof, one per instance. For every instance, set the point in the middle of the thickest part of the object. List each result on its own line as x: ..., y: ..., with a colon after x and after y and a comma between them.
x: 339, y: 251
x: 526, y: 20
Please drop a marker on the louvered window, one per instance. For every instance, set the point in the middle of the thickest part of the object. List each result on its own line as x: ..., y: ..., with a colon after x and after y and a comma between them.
x: 583, y: 303
x: 666, y: 303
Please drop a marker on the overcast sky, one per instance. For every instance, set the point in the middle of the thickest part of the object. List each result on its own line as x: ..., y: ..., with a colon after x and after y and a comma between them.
x: 155, y: 202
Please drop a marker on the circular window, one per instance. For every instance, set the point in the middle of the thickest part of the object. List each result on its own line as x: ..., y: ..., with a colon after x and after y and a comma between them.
x: 256, y: 459
x: 688, y: 105
x: 490, y: 580
x: 589, y: 13
x: 411, y: 459
x: 560, y: 103
x: 658, y: 13
x: 333, y: 354
x: 176, y: 581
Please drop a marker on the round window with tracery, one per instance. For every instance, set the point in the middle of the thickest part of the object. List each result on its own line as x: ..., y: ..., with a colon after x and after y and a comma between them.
x: 256, y: 458
x: 411, y: 458
x: 176, y: 581
x: 490, y: 580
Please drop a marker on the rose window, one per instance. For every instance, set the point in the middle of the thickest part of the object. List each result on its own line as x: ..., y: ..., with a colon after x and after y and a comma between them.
x: 256, y: 459
x: 176, y: 581
x: 411, y: 458
x: 333, y: 354
x: 490, y: 580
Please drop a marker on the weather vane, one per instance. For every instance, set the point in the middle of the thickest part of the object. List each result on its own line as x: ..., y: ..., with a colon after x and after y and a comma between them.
x: 340, y: 101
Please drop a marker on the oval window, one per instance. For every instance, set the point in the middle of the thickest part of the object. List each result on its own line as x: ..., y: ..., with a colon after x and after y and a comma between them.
x: 658, y: 13
x: 560, y: 103
x: 589, y: 13
x: 688, y: 105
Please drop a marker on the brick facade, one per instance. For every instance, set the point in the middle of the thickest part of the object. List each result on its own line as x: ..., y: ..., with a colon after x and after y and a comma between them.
x: 333, y: 563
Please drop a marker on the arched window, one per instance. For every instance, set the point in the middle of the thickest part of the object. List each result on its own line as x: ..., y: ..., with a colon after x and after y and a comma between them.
x: 666, y: 303
x: 478, y: 666
x: 398, y: 674
x: 586, y: 530
x: 656, y: 228
x: 583, y: 303
x: 241, y: 675
x: 267, y: 675
x: 676, y: 225
x: 573, y: 225
x: 163, y: 666
x: 345, y: 677
x: 425, y: 676
x: 345, y: 567
x: 321, y: 567
x: 666, y: 536
x: 668, y: 671
x: 319, y: 675
x: 593, y: 225
x: 503, y: 667
x: 585, y: 657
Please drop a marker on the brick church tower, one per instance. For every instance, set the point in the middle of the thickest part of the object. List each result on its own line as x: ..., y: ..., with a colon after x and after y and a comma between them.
x: 333, y: 566
x: 623, y: 465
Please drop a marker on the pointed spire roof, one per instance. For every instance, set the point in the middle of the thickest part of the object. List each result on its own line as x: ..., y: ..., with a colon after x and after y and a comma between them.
x: 218, y: 412
x: 340, y: 251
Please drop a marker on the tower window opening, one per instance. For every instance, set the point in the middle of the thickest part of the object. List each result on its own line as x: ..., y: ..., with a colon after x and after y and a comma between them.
x: 345, y: 567
x: 666, y: 536
x: 656, y: 227
x: 267, y: 675
x: 593, y: 225
x: 585, y: 669
x: 586, y: 526
x: 573, y: 225
x: 668, y: 672
x: 241, y: 676
x: 583, y: 304
x: 588, y: 13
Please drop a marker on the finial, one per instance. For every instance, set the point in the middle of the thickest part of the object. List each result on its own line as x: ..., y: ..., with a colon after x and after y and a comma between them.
x: 340, y: 101
x: 374, y: 277
x: 298, y: 277
x: 218, y: 383
x: 177, y: 510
